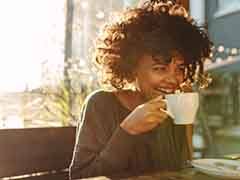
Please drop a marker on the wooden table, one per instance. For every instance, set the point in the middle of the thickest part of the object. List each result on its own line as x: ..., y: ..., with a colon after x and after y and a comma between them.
x: 186, y: 174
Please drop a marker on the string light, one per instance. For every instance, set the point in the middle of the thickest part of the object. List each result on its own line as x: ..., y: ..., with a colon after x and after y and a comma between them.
x: 221, y: 48
x: 234, y: 51
x: 221, y: 54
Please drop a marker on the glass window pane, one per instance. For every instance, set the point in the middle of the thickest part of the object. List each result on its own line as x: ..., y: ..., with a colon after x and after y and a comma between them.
x: 32, y: 43
x: 228, y: 4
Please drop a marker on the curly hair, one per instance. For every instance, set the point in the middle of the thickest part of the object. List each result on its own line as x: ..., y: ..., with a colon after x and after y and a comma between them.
x: 157, y: 28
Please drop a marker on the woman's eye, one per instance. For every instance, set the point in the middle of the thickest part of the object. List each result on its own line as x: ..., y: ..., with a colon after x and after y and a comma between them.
x: 159, y: 68
x: 181, y: 68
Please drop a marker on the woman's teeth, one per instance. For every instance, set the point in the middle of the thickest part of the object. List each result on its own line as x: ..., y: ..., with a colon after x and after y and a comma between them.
x: 165, y: 90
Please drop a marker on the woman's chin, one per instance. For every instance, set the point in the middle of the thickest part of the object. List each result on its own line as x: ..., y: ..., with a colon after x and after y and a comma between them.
x: 152, y: 96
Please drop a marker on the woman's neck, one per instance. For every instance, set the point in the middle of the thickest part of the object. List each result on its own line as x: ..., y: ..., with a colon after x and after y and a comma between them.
x: 129, y: 98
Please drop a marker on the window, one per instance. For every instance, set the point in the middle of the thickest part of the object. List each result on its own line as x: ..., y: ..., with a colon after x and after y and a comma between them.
x: 31, y: 43
x: 226, y: 7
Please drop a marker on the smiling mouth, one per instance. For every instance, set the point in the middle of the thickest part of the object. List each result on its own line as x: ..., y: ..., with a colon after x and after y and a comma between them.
x: 165, y: 90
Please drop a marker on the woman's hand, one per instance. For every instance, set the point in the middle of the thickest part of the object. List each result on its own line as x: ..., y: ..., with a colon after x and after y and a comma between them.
x: 145, y: 117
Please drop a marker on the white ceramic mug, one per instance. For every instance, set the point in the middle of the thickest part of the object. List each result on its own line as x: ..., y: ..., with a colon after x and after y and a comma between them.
x: 183, y: 107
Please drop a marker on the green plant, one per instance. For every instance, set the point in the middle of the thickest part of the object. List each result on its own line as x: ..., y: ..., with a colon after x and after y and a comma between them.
x: 57, y: 104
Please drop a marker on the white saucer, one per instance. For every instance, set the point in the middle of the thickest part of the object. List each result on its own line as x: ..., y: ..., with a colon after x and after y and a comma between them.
x: 227, y: 169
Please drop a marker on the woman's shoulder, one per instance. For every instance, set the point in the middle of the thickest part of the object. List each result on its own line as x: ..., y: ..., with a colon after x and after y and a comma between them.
x: 100, y: 97
x: 111, y: 99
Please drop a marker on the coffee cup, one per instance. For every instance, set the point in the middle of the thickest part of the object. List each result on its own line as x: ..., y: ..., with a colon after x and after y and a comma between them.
x: 183, y: 107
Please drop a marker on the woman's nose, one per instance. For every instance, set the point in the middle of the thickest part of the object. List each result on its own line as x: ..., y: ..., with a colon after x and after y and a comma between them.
x: 172, y: 76
x: 172, y: 79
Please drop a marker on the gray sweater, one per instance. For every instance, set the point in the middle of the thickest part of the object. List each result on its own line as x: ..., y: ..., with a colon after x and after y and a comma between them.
x: 103, y: 148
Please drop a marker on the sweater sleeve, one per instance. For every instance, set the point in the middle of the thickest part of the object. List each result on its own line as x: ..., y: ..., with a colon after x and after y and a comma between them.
x: 97, y: 153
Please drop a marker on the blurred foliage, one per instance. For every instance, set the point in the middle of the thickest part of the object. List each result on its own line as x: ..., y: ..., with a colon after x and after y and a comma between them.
x: 56, y: 105
x: 65, y: 103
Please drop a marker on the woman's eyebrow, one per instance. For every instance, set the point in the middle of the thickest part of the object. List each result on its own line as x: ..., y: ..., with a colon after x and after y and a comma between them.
x: 167, y: 60
x: 159, y: 63
x: 180, y: 64
x: 160, y: 60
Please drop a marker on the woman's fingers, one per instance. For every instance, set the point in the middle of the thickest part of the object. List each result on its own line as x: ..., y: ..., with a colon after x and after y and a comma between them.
x: 157, y: 116
x: 157, y: 104
x: 166, y: 112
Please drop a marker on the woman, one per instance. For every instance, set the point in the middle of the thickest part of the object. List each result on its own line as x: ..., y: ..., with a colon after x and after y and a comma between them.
x: 144, y: 53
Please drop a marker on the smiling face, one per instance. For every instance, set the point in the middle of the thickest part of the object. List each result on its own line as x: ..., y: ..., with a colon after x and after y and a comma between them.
x: 156, y: 76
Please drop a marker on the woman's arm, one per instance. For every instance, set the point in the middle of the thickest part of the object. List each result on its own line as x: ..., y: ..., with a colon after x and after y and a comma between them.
x: 96, y: 152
